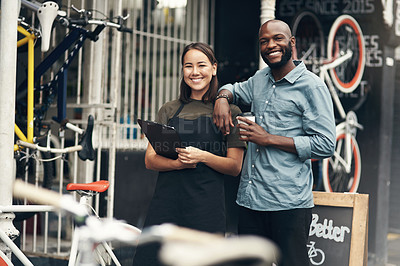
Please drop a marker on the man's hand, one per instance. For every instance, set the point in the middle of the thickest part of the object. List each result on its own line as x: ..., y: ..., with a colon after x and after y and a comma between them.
x: 252, y: 132
x: 222, y: 115
x: 257, y: 134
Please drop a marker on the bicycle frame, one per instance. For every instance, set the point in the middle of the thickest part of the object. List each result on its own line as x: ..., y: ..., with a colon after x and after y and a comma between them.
x: 8, y: 240
x: 324, y: 75
x: 344, y: 126
x: 30, y: 40
x: 77, y: 36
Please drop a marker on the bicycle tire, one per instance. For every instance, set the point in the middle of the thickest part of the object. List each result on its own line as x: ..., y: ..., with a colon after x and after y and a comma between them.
x: 320, y: 258
x: 347, y: 32
x: 307, y: 29
x: 336, y: 179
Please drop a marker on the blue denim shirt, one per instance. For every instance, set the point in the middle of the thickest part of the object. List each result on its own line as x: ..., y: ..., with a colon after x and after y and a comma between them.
x: 298, y: 106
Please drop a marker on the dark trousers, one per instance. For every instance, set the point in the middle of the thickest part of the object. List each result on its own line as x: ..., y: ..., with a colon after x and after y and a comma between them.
x: 288, y: 229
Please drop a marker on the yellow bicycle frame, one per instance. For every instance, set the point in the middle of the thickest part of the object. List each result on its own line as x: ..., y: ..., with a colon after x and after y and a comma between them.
x: 30, y: 39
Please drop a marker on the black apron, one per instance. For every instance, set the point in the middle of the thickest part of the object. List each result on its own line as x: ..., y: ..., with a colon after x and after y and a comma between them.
x: 192, y: 198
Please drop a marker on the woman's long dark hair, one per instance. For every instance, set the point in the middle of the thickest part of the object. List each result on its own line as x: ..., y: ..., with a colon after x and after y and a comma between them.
x: 185, y: 90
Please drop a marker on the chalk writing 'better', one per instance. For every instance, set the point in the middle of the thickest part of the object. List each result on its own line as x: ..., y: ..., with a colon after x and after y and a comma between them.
x: 327, y: 230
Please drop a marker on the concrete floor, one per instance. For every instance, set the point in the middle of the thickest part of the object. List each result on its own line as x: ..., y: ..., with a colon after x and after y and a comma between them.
x: 393, y: 250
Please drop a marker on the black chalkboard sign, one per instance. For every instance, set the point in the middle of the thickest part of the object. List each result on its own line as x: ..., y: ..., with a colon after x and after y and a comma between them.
x: 338, y: 231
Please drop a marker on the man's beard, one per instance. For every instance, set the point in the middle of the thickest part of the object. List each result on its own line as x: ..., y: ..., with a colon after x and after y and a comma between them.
x: 287, y: 55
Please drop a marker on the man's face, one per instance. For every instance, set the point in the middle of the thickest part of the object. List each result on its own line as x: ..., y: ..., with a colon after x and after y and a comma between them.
x: 275, y: 45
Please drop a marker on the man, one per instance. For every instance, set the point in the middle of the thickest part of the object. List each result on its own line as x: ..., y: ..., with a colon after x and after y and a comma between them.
x: 294, y: 123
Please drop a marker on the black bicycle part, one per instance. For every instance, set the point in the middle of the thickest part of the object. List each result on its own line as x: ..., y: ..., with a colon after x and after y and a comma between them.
x: 122, y: 27
x: 74, y: 39
x: 310, y: 39
x: 87, y: 152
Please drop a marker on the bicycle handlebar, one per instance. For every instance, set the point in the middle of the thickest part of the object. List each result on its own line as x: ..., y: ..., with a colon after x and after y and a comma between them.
x: 47, y: 197
x: 84, y: 148
x: 184, y: 246
x: 98, y: 230
x: 48, y: 149
x: 84, y: 19
x: 74, y: 128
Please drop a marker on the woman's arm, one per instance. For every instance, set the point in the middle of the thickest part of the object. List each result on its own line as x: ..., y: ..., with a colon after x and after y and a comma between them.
x: 160, y: 163
x: 229, y: 165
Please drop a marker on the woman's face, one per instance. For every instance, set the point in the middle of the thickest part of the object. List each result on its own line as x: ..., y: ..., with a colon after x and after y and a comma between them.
x: 198, y: 72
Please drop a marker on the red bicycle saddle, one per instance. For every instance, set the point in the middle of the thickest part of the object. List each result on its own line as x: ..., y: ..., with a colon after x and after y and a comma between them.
x: 98, y: 186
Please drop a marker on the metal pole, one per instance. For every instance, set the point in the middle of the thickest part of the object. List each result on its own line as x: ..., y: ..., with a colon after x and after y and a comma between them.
x: 8, y: 62
x: 115, y: 101
x: 96, y: 90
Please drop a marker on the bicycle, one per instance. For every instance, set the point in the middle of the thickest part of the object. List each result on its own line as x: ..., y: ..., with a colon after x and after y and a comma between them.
x: 316, y: 255
x: 87, y: 191
x: 342, y: 69
x: 41, y: 146
x: 180, y: 246
x: 86, y: 239
x: 57, y: 86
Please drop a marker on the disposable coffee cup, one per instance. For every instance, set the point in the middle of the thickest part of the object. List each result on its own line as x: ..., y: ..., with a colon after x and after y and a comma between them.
x: 247, y: 115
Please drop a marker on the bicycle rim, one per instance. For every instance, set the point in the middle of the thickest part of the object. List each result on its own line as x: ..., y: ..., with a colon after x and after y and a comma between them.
x: 334, y: 174
x: 318, y: 257
x: 347, y: 32
x: 307, y: 30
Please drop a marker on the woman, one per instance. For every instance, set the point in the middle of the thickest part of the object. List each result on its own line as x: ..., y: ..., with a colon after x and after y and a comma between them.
x: 190, y: 189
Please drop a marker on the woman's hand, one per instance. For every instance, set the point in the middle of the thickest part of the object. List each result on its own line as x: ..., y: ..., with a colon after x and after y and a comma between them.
x: 191, y: 155
x: 229, y: 165
x: 160, y: 163
x: 179, y: 164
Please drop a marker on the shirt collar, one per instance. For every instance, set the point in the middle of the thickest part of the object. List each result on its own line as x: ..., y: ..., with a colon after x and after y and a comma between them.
x: 293, y: 75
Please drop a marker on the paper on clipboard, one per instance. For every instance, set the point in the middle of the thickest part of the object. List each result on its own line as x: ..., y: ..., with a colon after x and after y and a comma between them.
x: 164, y: 139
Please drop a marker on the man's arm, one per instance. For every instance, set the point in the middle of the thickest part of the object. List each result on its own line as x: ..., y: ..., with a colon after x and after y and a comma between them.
x: 222, y: 112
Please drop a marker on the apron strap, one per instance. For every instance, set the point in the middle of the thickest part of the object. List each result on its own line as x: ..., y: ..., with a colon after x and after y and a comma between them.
x: 178, y: 111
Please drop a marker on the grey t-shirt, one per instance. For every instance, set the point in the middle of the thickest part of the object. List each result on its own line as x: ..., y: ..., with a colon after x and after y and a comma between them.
x: 194, y: 110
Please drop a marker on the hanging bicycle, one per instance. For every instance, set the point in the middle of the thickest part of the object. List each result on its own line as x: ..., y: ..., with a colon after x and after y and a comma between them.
x: 341, y: 70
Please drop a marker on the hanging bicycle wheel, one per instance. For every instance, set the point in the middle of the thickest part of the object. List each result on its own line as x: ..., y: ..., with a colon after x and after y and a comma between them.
x: 310, y: 44
x: 347, y: 33
x: 334, y: 174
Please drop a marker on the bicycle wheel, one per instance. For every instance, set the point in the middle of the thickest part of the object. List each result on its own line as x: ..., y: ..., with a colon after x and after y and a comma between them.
x: 347, y: 32
x: 318, y: 257
x: 310, y: 44
x: 334, y: 174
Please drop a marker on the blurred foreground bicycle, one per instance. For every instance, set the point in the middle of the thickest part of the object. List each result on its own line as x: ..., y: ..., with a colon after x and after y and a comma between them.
x: 180, y: 246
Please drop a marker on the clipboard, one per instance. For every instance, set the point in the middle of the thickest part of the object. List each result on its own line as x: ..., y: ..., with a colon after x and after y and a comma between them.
x: 164, y: 139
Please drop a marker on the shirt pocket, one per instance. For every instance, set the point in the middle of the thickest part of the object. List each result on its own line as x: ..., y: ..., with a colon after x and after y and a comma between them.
x: 284, y: 118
